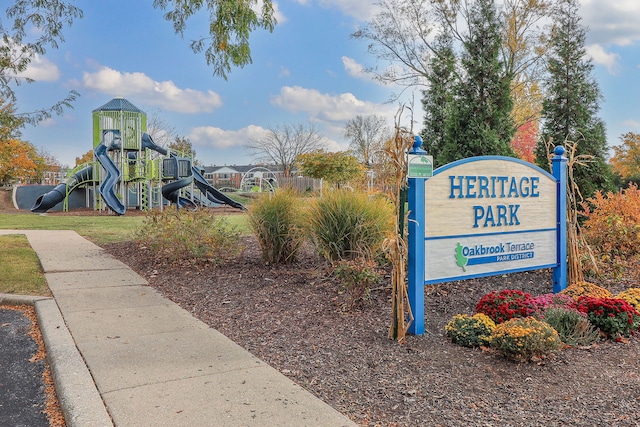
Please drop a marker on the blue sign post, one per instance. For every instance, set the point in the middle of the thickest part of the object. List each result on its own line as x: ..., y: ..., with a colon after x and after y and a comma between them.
x: 559, y: 169
x: 484, y: 216
x: 415, y: 285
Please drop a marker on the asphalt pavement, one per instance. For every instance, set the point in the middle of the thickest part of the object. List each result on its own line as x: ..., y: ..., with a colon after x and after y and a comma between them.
x: 22, y: 393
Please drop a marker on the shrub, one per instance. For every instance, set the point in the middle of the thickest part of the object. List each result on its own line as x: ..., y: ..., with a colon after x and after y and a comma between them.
x: 632, y: 296
x: 525, y: 338
x: 275, y: 220
x: 576, y: 290
x: 470, y: 331
x: 540, y: 304
x: 614, y: 317
x: 348, y: 225
x: 572, y: 326
x: 357, y: 276
x: 181, y: 235
x: 503, y: 305
x: 612, y: 229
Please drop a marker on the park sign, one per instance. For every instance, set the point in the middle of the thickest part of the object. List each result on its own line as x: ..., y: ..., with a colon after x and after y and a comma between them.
x: 485, y: 216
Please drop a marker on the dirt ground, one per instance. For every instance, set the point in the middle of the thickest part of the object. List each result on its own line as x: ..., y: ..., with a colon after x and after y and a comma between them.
x: 6, y: 205
x: 294, y: 318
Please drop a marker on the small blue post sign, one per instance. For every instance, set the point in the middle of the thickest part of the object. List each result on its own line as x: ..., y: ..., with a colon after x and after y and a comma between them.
x: 484, y: 216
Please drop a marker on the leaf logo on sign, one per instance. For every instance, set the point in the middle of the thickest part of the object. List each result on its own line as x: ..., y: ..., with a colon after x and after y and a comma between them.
x: 461, y: 260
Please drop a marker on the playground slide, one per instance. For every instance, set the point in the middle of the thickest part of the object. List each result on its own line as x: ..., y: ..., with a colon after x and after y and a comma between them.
x: 147, y: 142
x: 171, y: 192
x: 49, y: 200
x: 213, y: 194
x: 107, y: 186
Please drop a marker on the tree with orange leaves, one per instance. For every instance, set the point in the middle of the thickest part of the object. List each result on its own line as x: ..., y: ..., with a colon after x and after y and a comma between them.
x: 626, y: 158
x: 19, y: 162
x: 85, y: 158
x: 524, y: 141
x: 527, y: 105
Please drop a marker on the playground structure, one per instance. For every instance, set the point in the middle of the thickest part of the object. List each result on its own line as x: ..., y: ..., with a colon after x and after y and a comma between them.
x: 258, y: 179
x: 130, y: 171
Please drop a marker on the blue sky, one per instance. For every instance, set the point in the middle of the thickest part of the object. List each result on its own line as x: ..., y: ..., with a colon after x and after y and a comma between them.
x: 307, y: 71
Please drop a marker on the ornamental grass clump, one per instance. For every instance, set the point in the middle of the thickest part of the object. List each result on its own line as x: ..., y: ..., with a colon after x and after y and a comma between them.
x: 573, y: 327
x: 614, y: 317
x: 470, y: 331
x: 503, y: 305
x: 349, y: 225
x: 275, y: 220
x: 525, y: 338
x: 632, y: 296
x: 576, y: 290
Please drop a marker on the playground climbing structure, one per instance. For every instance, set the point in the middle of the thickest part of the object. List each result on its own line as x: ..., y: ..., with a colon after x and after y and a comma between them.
x: 131, y: 171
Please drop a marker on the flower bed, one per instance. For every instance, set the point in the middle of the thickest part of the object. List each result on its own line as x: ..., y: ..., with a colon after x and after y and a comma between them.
x: 522, y: 327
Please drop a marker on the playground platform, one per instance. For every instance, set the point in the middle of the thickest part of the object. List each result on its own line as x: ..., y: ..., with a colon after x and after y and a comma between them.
x: 123, y: 355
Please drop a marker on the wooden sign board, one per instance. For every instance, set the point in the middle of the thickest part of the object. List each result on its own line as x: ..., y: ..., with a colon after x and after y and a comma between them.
x: 489, y: 215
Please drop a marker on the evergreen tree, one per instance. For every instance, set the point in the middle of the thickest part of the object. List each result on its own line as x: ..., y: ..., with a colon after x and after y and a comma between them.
x: 481, y: 122
x: 437, y: 100
x: 572, y: 102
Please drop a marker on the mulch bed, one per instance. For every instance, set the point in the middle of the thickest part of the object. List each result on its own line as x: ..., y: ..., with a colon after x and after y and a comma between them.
x: 297, y: 319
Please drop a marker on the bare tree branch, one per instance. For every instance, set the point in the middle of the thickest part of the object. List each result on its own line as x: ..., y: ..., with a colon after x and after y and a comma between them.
x: 282, y: 145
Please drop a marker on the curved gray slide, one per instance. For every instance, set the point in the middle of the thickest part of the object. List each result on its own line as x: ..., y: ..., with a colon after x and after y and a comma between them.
x: 49, y: 200
x: 107, y: 186
x: 213, y: 194
x: 171, y: 192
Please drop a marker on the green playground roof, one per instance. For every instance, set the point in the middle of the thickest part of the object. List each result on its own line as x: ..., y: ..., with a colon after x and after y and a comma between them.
x: 119, y: 104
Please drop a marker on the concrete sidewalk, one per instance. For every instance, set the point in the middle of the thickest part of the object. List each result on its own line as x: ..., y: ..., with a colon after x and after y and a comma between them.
x: 121, y: 354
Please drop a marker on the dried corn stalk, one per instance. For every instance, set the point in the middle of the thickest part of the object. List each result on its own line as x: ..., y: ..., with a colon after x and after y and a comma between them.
x: 396, y: 246
x: 577, y: 245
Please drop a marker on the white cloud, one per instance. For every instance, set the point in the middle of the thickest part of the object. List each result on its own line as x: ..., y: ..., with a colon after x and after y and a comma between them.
x: 602, y: 57
x: 277, y: 13
x: 329, y: 112
x: 48, y: 122
x: 611, y: 22
x: 284, y: 72
x: 165, y: 95
x: 41, y: 70
x: 362, y: 10
x: 633, y: 124
x: 324, y: 107
x: 209, y: 136
x: 354, y: 69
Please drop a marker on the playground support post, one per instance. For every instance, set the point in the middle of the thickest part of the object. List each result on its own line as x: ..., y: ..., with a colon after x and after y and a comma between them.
x: 559, y: 171
x: 415, y: 242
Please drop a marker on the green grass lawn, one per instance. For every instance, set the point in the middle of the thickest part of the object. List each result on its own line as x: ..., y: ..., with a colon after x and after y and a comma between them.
x: 98, y: 229
x: 20, y: 270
